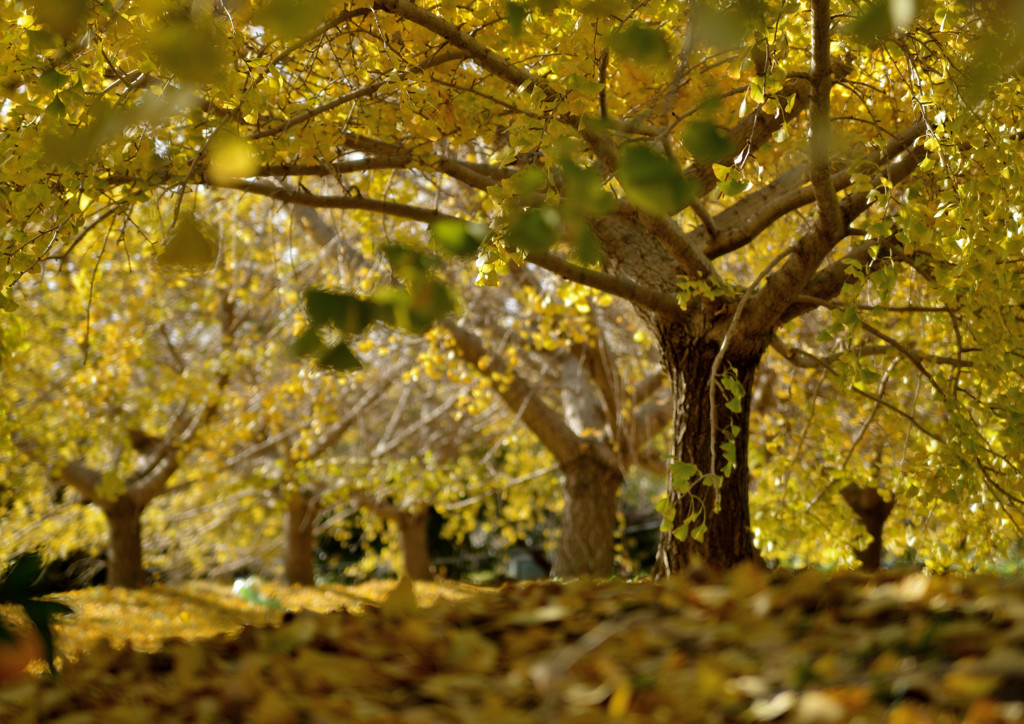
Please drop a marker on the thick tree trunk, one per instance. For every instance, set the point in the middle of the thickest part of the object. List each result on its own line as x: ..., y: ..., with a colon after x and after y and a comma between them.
x: 299, y: 521
x: 415, y: 544
x: 725, y: 512
x: 587, y: 536
x: 124, y: 550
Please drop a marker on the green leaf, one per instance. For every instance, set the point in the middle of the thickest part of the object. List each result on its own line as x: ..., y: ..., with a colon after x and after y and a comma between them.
x: 340, y: 358
x: 346, y: 312
x: 190, y: 50
x: 18, y: 581
x: 584, y: 191
x: 308, y: 344
x: 63, y: 17
x: 516, y: 15
x: 881, y: 19
x: 641, y: 42
x: 428, y: 301
x: 52, y: 79
x: 42, y: 613
x: 286, y: 19
x: 587, y: 247
x: 536, y: 229
x: 707, y: 143
x: 723, y: 28
x: 654, y: 183
x: 682, y: 532
x: 461, y: 238
x: 683, y: 472
x: 732, y: 187
x: 407, y: 263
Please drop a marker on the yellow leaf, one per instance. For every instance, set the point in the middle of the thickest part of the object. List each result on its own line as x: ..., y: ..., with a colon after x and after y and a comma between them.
x: 189, y: 246
x: 231, y: 158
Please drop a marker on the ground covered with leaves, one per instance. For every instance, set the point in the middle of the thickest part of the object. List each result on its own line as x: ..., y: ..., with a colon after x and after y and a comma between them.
x: 749, y: 646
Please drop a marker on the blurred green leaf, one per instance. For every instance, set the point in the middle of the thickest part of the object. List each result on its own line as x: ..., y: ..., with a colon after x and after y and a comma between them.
x: 347, y: 313
x: 63, y: 17
x: 516, y: 14
x: 724, y: 27
x: 641, y: 42
x: 461, y: 238
x: 583, y: 190
x: 287, y: 19
x: 307, y: 344
x: 18, y: 581
x: 654, y: 183
x: 707, y: 143
x: 536, y: 229
x: 406, y: 262
x: 340, y: 358
x: 192, y: 51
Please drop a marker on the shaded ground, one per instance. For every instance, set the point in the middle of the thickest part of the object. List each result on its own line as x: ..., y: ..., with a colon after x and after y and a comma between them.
x: 751, y: 646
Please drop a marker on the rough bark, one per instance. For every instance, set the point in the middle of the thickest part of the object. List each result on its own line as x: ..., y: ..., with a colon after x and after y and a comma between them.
x: 592, y: 472
x: 415, y: 544
x: 299, y: 521
x: 725, y: 511
x: 124, y: 549
x: 586, y: 544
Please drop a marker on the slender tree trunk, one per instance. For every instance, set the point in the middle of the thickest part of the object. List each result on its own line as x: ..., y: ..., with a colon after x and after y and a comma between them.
x: 299, y: 521
x: 873, y: 511
x: 124, y: 550
x: 415, y: 544
x: 587, y: 536
x: 725, y: 511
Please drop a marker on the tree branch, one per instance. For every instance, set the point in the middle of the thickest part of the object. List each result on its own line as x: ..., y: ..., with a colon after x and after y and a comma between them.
x: 627, y: 289
x: 354, y: 203
x: 549, y: 427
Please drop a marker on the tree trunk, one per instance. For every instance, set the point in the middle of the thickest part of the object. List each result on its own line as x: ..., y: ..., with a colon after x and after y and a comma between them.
x: 725, y: 512
x: 415, y: 544
x: 299, y: 521
x: 587, y: 536
x: 124, y: 550
x: 872, y: 510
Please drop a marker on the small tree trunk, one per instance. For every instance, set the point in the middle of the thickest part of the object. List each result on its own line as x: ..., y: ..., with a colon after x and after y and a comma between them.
x: 872, y: 511
x: 124, y: 550
x: 725, y: 513
x: 299, y: 521
x: 415, y: 544
x: 587, y: 536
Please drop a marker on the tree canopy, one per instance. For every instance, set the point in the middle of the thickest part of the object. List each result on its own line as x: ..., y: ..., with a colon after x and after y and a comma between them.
x: 826, y: 190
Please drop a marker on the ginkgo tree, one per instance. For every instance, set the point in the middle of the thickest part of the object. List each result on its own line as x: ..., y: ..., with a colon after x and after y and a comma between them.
x: 275, y: 454
x: 733, y: 170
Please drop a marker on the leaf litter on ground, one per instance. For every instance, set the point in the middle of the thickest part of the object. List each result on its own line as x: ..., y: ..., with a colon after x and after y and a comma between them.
x: 744, y: 646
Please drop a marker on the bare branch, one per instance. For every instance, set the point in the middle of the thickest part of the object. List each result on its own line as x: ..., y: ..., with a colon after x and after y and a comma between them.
x: 354, y: 203
x: 625, y: 288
